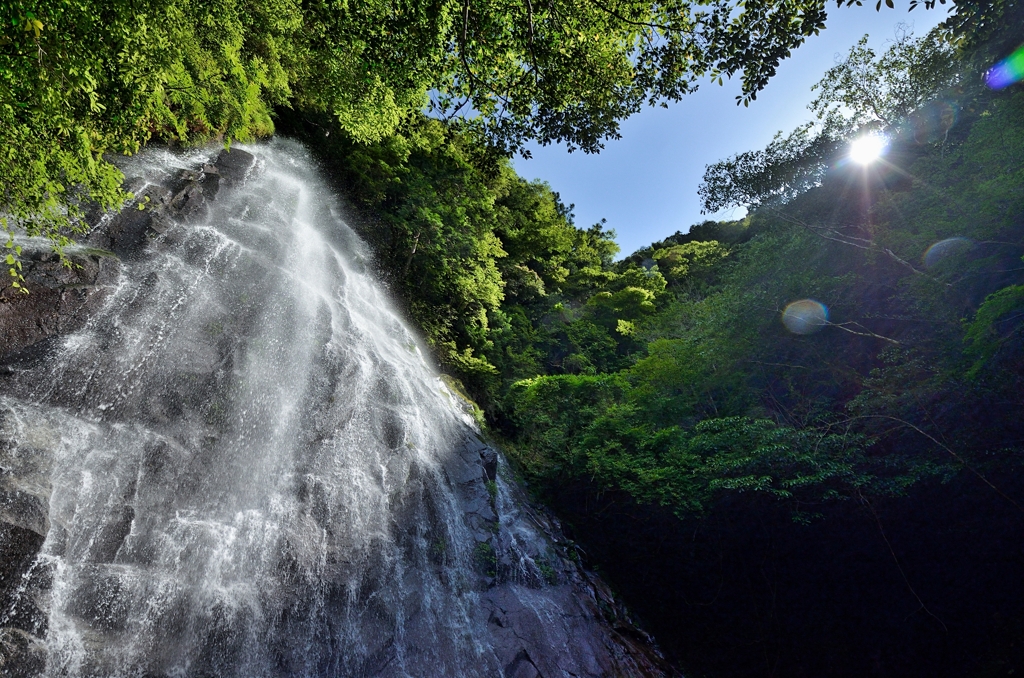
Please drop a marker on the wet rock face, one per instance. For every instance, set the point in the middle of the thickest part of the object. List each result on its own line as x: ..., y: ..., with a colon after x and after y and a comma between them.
x: 25, y: 463
x: 182, y: 198
x: 546, y: 613
x: 232, y: 166
x: 535, y: 609
x: 62, y: 296
x: 22, y: 655
x: 20, y: 549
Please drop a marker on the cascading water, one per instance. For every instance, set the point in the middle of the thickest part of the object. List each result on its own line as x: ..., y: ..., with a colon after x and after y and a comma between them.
x: 252, y: 471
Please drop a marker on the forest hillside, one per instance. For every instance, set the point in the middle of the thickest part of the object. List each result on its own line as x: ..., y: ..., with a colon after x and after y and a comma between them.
x: 792, y: 442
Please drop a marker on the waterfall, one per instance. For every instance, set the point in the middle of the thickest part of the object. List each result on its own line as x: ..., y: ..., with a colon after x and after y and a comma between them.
x: 249, y: 468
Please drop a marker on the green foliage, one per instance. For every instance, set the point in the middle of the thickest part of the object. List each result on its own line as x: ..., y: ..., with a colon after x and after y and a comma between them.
x: 982, y: 176
x: 704, y: 396
x: 677, y: 262
x: 863, y: 91
x: 866, y: 88
x: 786, y: 168
x: 547, y: 571
x: 598, y: 427
x: 688, y: 470
x: 83, y: 80
x: 92, y: 79
x: 569, y: 71
x: 486, y: 559
x: 997, y: 322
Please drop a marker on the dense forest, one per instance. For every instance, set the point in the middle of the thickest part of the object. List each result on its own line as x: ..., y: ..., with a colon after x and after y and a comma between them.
x: 793, y: 442
x: 824, y: 396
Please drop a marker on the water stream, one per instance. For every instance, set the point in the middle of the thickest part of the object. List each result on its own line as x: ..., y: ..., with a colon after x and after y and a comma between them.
x: 247, y: 453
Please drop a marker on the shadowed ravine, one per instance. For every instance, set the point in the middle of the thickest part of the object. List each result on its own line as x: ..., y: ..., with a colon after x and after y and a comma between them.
x: 243, y: 465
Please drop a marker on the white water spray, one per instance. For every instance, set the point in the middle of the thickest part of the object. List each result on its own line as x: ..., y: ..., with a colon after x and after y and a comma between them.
x: 252, y: 469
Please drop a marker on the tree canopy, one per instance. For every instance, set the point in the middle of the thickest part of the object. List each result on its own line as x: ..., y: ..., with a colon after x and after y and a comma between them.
x: 864, y: 91
x: 668, y: 374
x: 81, y: 80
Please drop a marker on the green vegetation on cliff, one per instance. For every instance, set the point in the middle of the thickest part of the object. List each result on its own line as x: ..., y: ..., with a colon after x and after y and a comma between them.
x: 663, y: 384
x: 668, y: 374
x: 914, y: 373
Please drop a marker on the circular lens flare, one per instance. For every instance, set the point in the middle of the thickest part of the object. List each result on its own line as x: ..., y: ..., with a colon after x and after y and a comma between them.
x: 944, y: 249
x: 867, y: 149
x: 806, y: 316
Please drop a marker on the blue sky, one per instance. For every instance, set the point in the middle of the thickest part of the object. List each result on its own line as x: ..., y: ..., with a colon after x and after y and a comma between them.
x: 645, y: 184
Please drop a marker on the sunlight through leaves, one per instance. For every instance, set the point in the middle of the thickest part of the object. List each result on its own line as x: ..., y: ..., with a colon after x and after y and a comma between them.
x: 867, y: 149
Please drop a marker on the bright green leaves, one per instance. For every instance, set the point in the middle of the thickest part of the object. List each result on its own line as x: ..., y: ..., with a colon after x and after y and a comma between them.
x: 27, y: 22
x: 596, y: 426
x: 679, y: 261
x: 998, y: 326
x: 14, y: 270
x: 887, y: 88
x: 105, y: 78
x: 84, y: 79
x: 435, y: 206
x: 16, y: 280
x: 32, y: 25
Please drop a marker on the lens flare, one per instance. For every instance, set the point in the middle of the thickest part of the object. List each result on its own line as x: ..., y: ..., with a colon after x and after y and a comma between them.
x: 867, y: 149
x: 945, y: 249
x: 931, y: 122
x: 806, y: 316
x: 1007, y: 71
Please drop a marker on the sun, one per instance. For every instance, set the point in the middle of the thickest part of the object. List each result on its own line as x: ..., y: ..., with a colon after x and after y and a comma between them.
x: 867, y: 149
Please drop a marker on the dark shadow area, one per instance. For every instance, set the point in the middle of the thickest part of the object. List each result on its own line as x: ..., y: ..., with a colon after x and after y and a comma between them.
x: 749, y: 592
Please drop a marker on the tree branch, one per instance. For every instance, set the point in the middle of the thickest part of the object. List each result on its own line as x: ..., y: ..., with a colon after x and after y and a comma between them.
x: 846, y: 240
x: 892, y: 552
x: 947, y: 449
